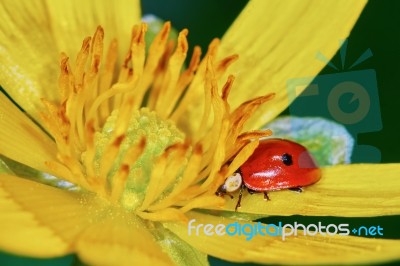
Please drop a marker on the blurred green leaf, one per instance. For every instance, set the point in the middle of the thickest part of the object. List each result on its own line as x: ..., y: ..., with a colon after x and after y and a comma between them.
x: 329, y: 142
x: 4, y: 169
x: 12, y: 167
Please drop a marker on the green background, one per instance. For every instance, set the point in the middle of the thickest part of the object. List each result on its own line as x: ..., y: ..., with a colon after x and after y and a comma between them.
x: 377, y: 29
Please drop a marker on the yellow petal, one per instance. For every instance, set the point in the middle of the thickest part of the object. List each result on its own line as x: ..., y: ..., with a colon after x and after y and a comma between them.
x: 33, y: 34
x: 28, y: 55
x: 71, y: 21
x: 299, y: 249
x: 38, y: 220
x: 278, y: 40
x: 120, y: 239
x: 21, y: 139
x: 355, y: 190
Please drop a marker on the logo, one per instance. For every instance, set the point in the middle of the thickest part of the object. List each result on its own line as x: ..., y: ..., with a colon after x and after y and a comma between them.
x: 250, y: 230
x: 349, y: 97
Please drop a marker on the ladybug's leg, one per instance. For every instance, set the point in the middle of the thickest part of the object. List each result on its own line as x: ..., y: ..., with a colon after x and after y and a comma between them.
x: 255, y: 191
x: 296, y: 189
x: 251, y: 192
x: 266, y: 195
x: 240, y: 197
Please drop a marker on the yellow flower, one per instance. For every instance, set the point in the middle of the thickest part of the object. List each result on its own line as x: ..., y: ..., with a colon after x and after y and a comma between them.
x: 144, y: 145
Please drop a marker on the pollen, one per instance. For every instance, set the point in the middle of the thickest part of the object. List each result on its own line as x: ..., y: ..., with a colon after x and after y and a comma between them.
x: 121, y: 129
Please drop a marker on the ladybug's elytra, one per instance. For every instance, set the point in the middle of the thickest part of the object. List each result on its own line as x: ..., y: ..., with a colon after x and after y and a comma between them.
x: 274, y: 165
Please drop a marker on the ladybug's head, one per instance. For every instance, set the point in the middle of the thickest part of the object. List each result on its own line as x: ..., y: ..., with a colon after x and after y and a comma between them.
x: 231, y: 184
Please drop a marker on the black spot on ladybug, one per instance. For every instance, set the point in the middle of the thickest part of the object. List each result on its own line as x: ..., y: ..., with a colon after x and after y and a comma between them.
x: 287, y: 159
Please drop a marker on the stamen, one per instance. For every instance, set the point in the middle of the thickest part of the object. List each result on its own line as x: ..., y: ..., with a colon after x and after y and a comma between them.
x: 157, y: 174
x: 80, y: 62
x: 256, y: 134
x: 106, y: 80
x: 57, y: 126
x: 160, y: 75
x: 175, y: 63
x: 219, y: 128
x: 138, y: 50
x: 243, y: 139
x: 242, y: 156
x: 109, y: 156
x: 119, y: 139
x: 186, y: 180
x: 224, y: 64
x: 96, y: 54
x: 104, y: 98
x: 177, y: 162
x: 202, y: 202
x: 88, y: 157
x: 156, y: 51
x: 120, y: 178
x: 64, y: 81
x: 227, y: 88
x: 119, y: 181
x: 187, y: 76
x: 198, y: 81
x: 244, y: 112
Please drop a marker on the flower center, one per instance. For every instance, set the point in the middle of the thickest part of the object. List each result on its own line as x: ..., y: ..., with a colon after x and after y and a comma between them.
x: 123, y: 133
x: 144, y: 125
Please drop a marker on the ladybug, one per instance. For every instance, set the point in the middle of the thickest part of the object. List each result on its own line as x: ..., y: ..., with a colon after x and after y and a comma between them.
x: 275, y: 164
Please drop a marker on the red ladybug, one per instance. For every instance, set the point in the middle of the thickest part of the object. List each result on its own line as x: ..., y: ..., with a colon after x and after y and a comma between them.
x: 275, y: 164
